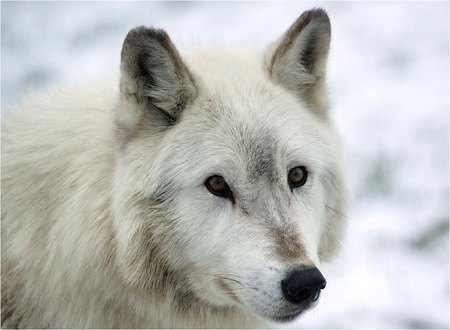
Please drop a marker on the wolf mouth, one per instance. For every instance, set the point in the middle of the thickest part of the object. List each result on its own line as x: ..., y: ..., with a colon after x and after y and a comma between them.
x: 288, y: 317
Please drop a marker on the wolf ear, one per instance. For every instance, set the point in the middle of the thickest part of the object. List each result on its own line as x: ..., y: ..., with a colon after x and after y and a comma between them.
x: 153, y: 78
x: 298, y: 60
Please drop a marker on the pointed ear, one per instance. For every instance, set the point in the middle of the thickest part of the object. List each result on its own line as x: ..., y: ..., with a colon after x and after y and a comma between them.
x: 154, y: 83
x: 298, y: 60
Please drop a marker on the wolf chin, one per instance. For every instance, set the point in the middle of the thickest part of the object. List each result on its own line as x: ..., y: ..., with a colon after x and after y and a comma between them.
x: 202, y: 187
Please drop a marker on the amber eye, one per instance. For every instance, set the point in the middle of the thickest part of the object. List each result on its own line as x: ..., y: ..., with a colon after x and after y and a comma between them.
x: 219, y: 187
x: 297, y: 176
x: 217, y: 184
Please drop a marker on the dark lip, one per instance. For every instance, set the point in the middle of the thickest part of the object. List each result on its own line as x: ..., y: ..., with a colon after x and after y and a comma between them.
x: 288, y: 317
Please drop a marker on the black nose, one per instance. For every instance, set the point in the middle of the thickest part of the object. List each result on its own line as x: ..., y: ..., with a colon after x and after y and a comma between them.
x: 303, y: 286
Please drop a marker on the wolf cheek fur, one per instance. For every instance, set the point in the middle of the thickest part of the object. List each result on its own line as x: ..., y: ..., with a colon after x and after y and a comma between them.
x: 108, y: 217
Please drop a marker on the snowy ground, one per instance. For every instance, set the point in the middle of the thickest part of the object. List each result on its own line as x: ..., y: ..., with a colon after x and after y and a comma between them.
x: 389, y: 78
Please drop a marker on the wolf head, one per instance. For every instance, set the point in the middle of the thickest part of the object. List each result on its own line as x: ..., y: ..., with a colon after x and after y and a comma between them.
x: 229, y: 188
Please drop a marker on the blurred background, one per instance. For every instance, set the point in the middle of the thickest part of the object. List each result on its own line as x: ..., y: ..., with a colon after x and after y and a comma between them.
x: 389, y: 84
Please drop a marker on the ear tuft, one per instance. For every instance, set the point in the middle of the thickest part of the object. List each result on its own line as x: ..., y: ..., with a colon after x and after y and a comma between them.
x: 153, y: 75
x: 299, y: 59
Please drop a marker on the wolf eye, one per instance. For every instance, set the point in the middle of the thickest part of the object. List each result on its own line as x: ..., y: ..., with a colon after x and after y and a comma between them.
x: 297, y: 176
x: 219, y: 187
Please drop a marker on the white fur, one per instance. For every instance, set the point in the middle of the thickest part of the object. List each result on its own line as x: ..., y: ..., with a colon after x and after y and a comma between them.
x: 92, y: 215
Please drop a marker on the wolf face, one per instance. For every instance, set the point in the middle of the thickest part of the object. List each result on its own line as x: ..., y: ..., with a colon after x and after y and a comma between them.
x: 229, y: 187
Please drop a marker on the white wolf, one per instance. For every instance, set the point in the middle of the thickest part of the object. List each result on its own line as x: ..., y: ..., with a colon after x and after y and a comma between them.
x: 201, y: 189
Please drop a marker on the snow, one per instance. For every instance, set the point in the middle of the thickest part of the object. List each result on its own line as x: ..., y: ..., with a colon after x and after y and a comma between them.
x: 389, y: 81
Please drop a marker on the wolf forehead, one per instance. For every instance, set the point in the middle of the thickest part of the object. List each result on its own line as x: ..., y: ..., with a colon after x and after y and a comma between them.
x: 246, y: 145
x: 250, y: 144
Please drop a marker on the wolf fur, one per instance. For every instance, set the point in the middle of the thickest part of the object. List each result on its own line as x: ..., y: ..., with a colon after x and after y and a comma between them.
x: 106, y: 218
